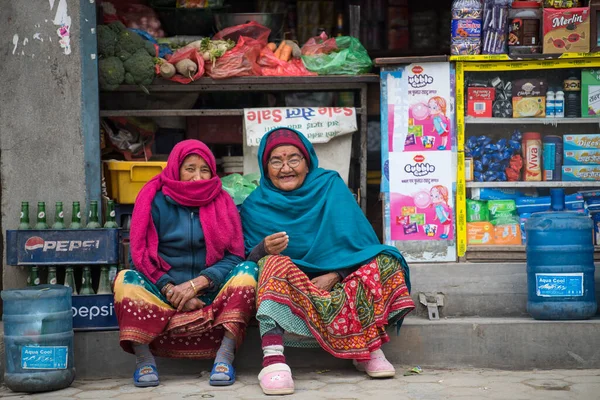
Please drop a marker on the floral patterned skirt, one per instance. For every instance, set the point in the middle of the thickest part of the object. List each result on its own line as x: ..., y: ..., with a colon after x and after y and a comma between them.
x: 145, y: 316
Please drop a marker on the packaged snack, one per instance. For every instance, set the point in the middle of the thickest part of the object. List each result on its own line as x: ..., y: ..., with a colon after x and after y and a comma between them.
x: 406, y: 210
x: 529, y: 107
x: 566, y: 30
x: 479, y: 101
x: 418, y: 219
x: 590, y: 93
x: 402, y: 220
x: 581, y: 142
x: 581, y: 157
x: 480, y: 233
x: 477, y: 211
x: 529, y: 88
x: 410, y: 229
x: 507, y: 234
x: 581, y: 173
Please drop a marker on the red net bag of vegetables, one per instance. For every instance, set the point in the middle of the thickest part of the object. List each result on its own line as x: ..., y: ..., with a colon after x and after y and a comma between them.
x: 239, y: 61
x: 184, y: 66
x: 252, y: 30
x: 283, y: 61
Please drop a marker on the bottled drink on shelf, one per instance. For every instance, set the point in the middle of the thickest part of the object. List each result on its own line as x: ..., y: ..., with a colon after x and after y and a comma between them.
x: 112, y: 274
x: 339, y: 28
x: 104, y: 283
x: 572, y: 88
x: 34, y: 277
x: 59, y: 216
x: 120, y: 268
x: 24, y: 222
x: 111, y: 214
x: 86, y: 282
x: 76, y: 216
x: 550, y: 100
x: 52, y: 276
x: 70, y: 279
x: 559, y: 104
x: 41, y: 216
x: 93, y: 216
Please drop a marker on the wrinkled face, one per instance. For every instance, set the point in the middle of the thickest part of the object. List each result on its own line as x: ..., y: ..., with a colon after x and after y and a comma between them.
x: 284, y: 176
x: 194, y: 168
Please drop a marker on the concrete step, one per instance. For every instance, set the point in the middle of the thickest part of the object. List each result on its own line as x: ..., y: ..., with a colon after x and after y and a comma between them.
x: 476, y: 289
x: 505, y: 343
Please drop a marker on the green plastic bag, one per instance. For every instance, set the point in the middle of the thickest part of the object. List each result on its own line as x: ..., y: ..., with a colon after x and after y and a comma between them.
x: 344, y: 55
x: 239, y: 187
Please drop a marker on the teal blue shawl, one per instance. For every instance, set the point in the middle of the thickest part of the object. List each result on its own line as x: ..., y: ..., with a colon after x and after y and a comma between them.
x: 327, y: 229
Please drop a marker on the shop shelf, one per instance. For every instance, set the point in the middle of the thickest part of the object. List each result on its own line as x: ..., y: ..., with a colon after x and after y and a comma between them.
x: 522, y: 121
x: 182, y: 113
x: 532, y: 57
x: 520, y: 184
x: 504, y: 253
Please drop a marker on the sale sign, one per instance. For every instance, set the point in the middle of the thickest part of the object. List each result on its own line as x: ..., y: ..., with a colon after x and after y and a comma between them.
x: 318, y: 124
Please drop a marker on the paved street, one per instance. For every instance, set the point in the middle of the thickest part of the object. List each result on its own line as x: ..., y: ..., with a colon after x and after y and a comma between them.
x: 463, y: 384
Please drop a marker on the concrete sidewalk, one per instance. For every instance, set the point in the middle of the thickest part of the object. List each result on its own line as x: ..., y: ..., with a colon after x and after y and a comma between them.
x: 459, y: 384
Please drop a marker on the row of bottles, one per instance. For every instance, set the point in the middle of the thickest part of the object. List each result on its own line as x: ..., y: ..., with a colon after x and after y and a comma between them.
x: 105, y: 283
x: 93, y: 221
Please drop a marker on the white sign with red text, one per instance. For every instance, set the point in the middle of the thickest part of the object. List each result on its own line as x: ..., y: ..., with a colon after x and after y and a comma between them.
x: 318, y: 124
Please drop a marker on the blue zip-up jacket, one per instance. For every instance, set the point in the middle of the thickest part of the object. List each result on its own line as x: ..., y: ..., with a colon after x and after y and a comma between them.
x: 181, y: 244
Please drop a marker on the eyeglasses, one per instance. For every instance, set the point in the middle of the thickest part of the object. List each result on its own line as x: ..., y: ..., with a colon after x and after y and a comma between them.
x: 292, y: 163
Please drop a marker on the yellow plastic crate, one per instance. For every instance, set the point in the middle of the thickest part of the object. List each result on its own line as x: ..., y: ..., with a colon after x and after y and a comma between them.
x: 125, y: 179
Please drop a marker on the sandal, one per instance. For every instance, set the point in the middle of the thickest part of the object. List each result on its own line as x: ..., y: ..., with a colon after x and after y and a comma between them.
x: 276, y: 379
x: 143, y: 371
x: 222, y: 368
x: 377, y: 367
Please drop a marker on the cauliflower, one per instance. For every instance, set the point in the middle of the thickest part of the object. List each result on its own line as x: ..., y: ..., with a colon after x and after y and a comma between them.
x: 111, y: 73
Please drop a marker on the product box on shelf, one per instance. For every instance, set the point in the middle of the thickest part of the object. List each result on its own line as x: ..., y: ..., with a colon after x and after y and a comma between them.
x: 480, y: 101
x: 581, y: 172
x: 480, y: 233
x: 95, y: 312
x: 566, y: 30
x: 581, y: 157
x: 581, y: 142
x: 590, y: 93
x: 529, y: 98
x: 507, y: 234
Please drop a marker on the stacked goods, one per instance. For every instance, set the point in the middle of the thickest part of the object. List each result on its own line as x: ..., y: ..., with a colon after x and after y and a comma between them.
x: 566, y: 30
x: 581, y: 157
x: 499, y: 161
x: 493, y: 222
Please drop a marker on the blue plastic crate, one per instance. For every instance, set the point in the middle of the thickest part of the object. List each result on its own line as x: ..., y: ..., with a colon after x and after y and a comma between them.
x: 94, y: 312
x: 62, y: 247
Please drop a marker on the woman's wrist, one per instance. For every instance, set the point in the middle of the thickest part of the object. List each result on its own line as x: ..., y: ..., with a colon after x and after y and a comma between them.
x: 200, y: 283
x: 166, y: 288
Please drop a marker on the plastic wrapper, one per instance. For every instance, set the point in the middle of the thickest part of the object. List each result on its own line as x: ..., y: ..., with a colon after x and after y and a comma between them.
x: 252, y: 30
x: 239, y: 61
x: 272, y: 66
x: 477, y: 211
x: 348, y: 58
x: 139, y: 16
x: 132, y: 137
x: 494, y: 26
x: 183, y: 54
x: 239, y: 187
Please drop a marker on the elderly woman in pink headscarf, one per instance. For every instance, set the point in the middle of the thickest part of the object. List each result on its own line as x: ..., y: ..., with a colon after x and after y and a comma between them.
x: 190, y: 295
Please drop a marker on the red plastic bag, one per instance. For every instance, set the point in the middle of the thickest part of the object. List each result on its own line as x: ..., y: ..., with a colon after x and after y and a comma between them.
x: 186, y: 54
x: 239, y: 61
x: 272, y: 66
x: 252, y: 30
x: 319, y: 45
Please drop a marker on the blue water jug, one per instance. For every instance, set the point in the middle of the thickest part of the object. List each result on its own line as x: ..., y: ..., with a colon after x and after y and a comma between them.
x: 560, y: 266
x: 38, y: 338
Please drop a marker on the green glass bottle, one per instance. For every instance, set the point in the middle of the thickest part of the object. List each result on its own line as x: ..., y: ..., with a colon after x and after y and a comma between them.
x: 86, y: 282
x: 111, y: 214
x: 112, y: 274
x: 120, y: 268
x: 76, y: 216
x: 104, y: 283
x: 70, y: 279
x: 93, y: 216
x: 59, y: 217
x: 34, y: 277
x: 41, y: 216
x: 24, y: 222
x: 52, y: 276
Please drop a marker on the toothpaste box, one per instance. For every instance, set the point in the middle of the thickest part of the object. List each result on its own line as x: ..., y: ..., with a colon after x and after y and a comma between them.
x: 581, y: 142
x: 581, y: 172
x: 581, y: 157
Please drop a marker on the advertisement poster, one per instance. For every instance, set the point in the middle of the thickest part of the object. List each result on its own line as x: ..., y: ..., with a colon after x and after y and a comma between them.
x: 318, y: 124
x: 421, y: 196
x: 421, y: 119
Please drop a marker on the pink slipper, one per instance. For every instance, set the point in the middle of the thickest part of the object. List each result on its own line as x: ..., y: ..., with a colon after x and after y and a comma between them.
x: 377, y: 367
x: 276, y: 379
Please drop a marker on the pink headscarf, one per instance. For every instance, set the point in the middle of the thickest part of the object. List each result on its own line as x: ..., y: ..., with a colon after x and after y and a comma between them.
x: 219, y: 216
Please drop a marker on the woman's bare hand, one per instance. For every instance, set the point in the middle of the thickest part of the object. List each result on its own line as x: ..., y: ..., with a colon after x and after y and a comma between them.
x: 326, y: 282
x: 193, y: 305
x: 276, y: 243
x: 179, y: 295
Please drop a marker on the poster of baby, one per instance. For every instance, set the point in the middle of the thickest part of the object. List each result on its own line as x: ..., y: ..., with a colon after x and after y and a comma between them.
x: 428, y: 123
x: 421, y: 201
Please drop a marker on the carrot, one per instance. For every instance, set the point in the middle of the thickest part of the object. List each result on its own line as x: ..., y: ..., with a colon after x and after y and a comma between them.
x: 280, y: 49
x: 272, y: 47
x: 286, y: 53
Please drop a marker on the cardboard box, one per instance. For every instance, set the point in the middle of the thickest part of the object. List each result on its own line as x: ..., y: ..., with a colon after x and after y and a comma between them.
x: 590, y: 93
x: 581, y: 157
x: 581, y: 142
x: 480, y: 101
x: 581, y: 172
x: 529, y: 107
x: 566, y: 30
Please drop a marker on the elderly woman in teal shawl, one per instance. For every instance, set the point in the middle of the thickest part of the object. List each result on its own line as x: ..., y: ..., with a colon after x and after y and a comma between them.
x: 325, y: 279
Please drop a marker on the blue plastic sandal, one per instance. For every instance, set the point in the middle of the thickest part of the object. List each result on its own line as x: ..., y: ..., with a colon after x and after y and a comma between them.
x: 222, y: 368
x: 142, y: 371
